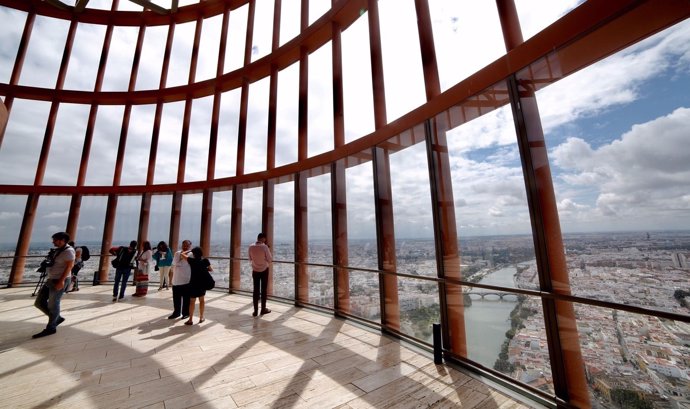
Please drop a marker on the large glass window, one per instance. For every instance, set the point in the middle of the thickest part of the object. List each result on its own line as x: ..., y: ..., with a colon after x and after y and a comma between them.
x: 361, y: 215
x: 13, y: 21
x: 467, y: 37
x: 491, y: 211
x: 283, y: 240
x: 136, y: 161
x: 181, y: 54
x: 126, y: 226
x: 320, y: 123
x: 226, y: 146
x: 208, y: 48
x: 11, y: 213
x: 85, y: 57
x: 67, y: 145
x: 320, y: 242
x: 620, y: 177
x: 287, y: 113
x: 190, y: 218
x: 289, y: 20
x: 220, y: 237
x: 106, y: 137
x: 357, y: 86
x: 199, y: 135
x: 263, y: 29
x: 90, y: 230
x: 159, y: 219
x: 120, y: 57
x: 257, y: 127
x: 23, y: 139
x: 169, y: 140
x: 237, y: 38
x: 251, y: 226
x: 149, y: 75
x: 534, y: 19
x: 40, y: 67
x: 400, y: 48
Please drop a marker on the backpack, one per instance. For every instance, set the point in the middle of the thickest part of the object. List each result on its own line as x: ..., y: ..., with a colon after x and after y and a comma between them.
x: 85, y: 254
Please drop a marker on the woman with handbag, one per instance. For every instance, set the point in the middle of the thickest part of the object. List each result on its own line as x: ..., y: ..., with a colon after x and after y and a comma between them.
x: 164, y: 258
x: 201, y: 281
x: 141, y: 276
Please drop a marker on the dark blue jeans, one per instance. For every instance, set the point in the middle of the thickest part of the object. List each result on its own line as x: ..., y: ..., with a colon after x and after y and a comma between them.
x: 48, y: 301
x: 121, y: 274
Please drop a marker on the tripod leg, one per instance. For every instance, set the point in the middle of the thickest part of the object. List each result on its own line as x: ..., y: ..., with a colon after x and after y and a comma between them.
x: 39, y: 284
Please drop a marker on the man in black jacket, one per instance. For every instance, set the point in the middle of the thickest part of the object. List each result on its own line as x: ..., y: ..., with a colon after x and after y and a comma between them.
x: 123, y: 263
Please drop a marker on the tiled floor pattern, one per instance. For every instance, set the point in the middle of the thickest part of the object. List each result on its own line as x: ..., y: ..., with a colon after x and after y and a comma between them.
x: 129, y: 355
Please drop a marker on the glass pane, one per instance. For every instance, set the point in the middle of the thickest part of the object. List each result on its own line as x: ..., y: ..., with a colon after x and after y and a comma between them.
x: 86, y: 55
x: 505, y: 331
x: 159, y: 218
x: 199, y: 134
x: 136, y: 161
x: 263, y: 29
x: 283, y: 246
x: 320, y: 122
x: 317, y: 9
x: 632, y: 360
x: 237, y: 38
x: 534, y: 19
x: 289, y: 20
x: 220, y: 225
x: 168, y: 153
x: 357, y: 86
x: 208, y: 48
x: 251, y: 226
x: 181, y: 54
x: 257, y: 127
x: 321, y: 286
x: 120, y: 57
x: 126, y: 220
x: 419, y: 307
x: 51, y: 217
x: 620, y: 179
x: 400, y: 48
x: 67, y: 145
x: 319, y: 216
x: 21, y: 145
x: 287, y: 114
x: 13, y: 26
x: 190, y: 218
x: 90, y: 231
x: 365, y: 299
x: 153, y: 49
x: 414, y: 229
x: 226, y: 146
x: 491, y: 210
x: 468, y: 29
x: 11, y: 214
x: 106, y: 137
x: 41, y: 67
x: 361, y: 217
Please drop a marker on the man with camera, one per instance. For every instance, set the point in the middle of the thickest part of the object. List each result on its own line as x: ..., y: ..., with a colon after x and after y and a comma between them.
x: 58, y: 266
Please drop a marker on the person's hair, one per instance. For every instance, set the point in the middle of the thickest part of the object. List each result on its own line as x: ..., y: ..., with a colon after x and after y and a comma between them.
x: 71, y: 243
x: 162, y: 246
x: 198, y: 253
x: 61, y: 235
x: 133, y: 244
x: 147, y: 245
x: 261, y: 235
x: 189, y: 242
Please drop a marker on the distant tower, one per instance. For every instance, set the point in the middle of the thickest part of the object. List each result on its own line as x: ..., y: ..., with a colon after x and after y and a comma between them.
x: 679, y: 260
x: 647, y: 235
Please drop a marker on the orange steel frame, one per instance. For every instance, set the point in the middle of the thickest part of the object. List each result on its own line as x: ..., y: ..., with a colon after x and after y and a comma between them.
x: 589, y: 33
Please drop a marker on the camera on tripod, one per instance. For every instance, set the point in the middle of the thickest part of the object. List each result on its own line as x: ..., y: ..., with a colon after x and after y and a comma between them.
x: 48, y: 261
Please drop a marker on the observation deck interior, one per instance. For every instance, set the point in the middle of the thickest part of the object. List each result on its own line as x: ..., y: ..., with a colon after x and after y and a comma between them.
x: 128, y: 354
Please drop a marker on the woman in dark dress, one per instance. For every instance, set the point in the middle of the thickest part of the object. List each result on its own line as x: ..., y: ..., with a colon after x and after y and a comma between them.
x: 201, y: 275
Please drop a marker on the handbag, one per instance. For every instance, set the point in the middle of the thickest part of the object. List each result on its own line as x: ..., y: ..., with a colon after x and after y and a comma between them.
x: 114, y: 262
x: 210, y: 282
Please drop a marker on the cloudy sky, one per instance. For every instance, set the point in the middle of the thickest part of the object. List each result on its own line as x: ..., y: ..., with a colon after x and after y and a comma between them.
x: 616, y: 132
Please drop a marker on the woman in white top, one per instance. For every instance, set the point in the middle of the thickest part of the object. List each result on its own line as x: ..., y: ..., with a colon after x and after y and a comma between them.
x: 144, y: 267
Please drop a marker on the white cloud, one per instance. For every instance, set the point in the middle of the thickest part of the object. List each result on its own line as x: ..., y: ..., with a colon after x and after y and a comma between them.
x: 10, y: 215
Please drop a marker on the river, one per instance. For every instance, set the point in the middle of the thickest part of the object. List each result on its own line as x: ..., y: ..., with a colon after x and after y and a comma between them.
x: 487, y: 321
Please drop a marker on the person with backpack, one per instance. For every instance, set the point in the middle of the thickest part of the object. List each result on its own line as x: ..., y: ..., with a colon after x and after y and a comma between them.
x: 82, y: 254
x: 125, y: 260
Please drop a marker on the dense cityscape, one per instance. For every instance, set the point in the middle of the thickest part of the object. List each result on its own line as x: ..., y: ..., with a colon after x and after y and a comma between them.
x: 631, y: 360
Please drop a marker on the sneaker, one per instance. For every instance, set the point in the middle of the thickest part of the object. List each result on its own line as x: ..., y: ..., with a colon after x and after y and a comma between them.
x: 44, y: 333
x: 173, y: 316
x: 60, y: 320
x: 265, y: 311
